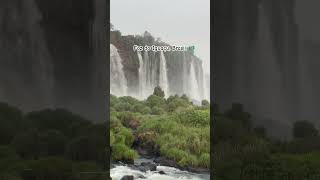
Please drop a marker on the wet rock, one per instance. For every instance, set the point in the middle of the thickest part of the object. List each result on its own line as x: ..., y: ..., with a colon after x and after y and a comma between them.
x: 148, y: 166
x: 161, y: 172
x: 171, y: 163
x: 127, y: 178
x: 141, y: 177
x: 167, y: 162
x: 198, y: 170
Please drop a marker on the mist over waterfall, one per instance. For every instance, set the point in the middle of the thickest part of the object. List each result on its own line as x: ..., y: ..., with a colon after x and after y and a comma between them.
x: 118, y: 82
x: 163, y: 78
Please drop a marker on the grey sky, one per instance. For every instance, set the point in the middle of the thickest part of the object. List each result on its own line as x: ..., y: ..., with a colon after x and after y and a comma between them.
x: 178, y: 22
x: 308, y: 15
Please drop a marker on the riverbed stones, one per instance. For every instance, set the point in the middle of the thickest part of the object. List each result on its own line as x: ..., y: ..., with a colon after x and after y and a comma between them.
x: 148, y: 166
x: 127, y: 178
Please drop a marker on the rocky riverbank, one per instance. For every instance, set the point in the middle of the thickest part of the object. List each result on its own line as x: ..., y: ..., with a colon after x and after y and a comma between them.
x: 153, y: 169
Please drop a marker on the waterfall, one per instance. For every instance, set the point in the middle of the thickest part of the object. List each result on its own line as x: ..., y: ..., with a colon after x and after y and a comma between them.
x: 267, y: 97
x: 118, y: 82
x: 185, y: 73
x: 142, y: 77
x: 26, y: 71
x: 206, y: 86
x: 193, y: 83
x: 146, y: 67
x: 163, y: 78
x: 177, y: 73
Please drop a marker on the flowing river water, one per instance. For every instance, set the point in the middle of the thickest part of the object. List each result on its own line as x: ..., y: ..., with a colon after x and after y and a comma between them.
x: 118, y: 171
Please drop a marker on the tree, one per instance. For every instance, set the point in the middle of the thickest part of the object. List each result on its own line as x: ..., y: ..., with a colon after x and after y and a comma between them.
x: 154, y: 100
x: 304, y: 129
x: 86, y: 148
x: 51, y: 169
x: 185, y: 97
x: 27, y: 145
x: 52, y: 143
x: 237, y: 113
x: 158, y: 92
x: 157, y: 110
x: 11, y: 123
x: 148, y: 37
x: 205, y: 103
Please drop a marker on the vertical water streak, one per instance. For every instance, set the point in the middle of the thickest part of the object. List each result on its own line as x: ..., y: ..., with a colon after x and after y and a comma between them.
x: 206, y: 86
x: 118, y: 82
x: 163, y: 78
x: 26, y: 70
x: 185, y: 74
x: 266, y: 96
x: 142, y: 77
x: 194, y: 85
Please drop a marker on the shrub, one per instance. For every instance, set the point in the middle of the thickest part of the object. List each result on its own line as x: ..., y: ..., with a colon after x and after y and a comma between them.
x: 125, y: 136
x: 122, y: 152
x: 304, y: 129
x: 204, y: 160
x: 157, y: 111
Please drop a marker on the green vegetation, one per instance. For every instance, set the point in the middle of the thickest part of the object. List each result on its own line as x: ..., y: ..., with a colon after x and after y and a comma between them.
x: 242, y: 151
x: 49, y: 145
x: 174, y: 127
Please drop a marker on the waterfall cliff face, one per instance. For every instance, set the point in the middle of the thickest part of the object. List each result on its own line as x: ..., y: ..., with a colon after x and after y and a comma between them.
x: 175, y: 72
x: 51, y: 55
x: 260, y: 63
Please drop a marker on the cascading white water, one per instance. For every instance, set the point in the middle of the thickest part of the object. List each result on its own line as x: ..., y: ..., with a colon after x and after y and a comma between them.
x: 150, y: 69
x: 153, y: 71
x: 163, y: 78
x: 206, y: 86
x: 142, y: 77
x: 194, y: 90
x: 185, y: 73
x: 171, y: 174
x: 118, y: 82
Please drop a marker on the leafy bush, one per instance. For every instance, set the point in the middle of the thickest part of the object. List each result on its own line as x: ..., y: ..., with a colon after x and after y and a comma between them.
x: 304, y: 129
x: 122, y: 152
x: 125, y: 136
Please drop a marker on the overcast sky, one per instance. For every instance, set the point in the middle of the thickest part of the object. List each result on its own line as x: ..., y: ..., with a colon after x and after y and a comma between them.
x: 308, y: 15
x: 177, y: 22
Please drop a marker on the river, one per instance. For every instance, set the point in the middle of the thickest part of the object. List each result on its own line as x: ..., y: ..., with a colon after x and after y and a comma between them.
x: 118, y: 171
